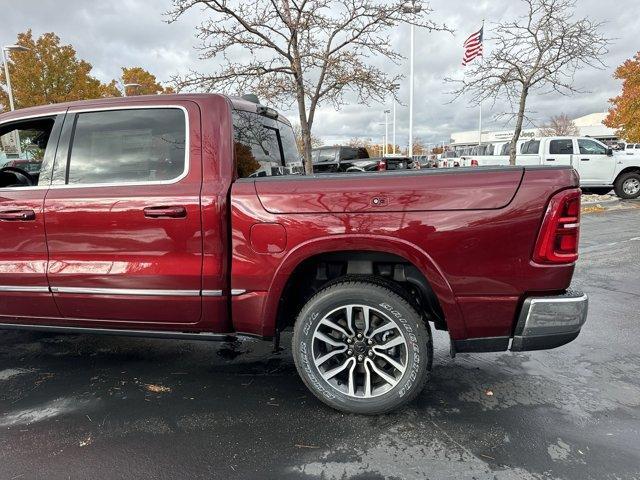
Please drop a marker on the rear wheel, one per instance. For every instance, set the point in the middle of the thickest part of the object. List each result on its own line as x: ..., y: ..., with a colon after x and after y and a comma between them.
x: 362, y: 348
x: 628, y: 185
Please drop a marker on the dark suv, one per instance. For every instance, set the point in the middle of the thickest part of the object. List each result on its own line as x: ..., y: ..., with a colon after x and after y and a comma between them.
x: 339, y: 158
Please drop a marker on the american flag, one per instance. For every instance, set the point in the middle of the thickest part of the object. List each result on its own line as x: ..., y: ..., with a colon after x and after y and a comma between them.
x: 473, y: 47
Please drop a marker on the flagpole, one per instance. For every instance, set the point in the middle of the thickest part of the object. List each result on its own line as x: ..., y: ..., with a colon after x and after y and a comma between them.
x: 480, y: 126
x: 480, y: 113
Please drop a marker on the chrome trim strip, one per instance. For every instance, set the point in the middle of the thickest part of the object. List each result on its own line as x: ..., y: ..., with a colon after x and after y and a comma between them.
x: 126, y: 291
x: 18, y: 118
x: 211, y: 293
x: 238, y: 291
x: 20, y: 288
x: 219, y: 337
x: 141, y: 106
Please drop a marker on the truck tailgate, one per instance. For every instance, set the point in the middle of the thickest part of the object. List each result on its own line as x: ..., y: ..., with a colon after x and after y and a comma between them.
x: 460, y: 189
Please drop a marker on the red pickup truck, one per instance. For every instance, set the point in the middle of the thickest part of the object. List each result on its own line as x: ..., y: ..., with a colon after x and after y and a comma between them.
x: 185, y: 216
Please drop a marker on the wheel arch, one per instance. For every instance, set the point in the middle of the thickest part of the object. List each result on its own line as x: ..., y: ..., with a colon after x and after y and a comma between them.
x: 315, y: 249
x: 633, y: 169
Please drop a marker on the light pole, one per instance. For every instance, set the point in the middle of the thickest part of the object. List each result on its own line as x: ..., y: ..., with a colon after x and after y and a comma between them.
x: 394, y: 126
x: 5, y: 49
x: 126, y: 85
x: 386, y: 131
x: 411, y: 8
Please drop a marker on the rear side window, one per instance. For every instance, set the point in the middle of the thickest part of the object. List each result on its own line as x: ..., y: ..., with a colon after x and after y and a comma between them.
x: 325, y: 155
x: 530, y: 147
x: 264, y: 146
x: 128, y: 146
x: 561, y: 147
x: 348, y: 153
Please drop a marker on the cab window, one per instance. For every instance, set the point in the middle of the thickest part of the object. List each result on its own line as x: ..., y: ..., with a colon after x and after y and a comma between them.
x: 530, y: 147
x: 561, y: 147
x: 23, y: 145
x: 590, y: 147
x: 127, y: 146
x: 264, y: 146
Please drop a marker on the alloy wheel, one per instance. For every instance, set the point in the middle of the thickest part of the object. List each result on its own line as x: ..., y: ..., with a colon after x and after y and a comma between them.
x: 360, y: 351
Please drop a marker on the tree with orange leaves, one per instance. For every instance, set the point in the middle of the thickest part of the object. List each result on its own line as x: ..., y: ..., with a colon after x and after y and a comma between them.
x: 141, y: 82
x: 47, y: 73
x: 624, y: 115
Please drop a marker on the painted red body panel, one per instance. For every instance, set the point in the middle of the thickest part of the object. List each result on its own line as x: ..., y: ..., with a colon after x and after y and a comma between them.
x: 470, y: 232
x: 400, y: 193
x: 477, y: 261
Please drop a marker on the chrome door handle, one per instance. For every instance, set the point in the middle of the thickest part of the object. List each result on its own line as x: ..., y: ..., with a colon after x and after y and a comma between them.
x: 165, y: 212
x: 18, y: 215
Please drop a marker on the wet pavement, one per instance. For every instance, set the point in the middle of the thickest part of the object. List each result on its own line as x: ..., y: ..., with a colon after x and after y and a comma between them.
x: 90, y: 407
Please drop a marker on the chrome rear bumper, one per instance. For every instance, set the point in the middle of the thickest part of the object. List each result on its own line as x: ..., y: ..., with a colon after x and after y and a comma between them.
x: 548, y: 322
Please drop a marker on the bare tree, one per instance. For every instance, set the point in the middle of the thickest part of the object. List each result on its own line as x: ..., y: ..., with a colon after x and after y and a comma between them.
x: 304, y: 52
x: 560, y: 126
x: 539, y: 52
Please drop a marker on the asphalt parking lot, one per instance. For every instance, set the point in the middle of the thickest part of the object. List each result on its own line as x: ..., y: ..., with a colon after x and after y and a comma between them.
x: 88, y: 407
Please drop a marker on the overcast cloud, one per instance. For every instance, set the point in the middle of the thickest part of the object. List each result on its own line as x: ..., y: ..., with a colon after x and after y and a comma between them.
x: 119, y: 33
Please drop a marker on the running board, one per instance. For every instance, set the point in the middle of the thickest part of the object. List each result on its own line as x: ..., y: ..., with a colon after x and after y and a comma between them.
x: 212, y: 337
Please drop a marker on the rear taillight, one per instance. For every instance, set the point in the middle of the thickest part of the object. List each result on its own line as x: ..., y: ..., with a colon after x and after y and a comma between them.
x: 382, y: 165
x: 560, y: 231
x: 474, y: 163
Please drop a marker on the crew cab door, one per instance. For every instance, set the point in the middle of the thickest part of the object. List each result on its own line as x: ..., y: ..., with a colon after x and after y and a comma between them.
x: 28, y: 146
x: 593, y: 164
x: 123, y: 215
x: 559, y: 151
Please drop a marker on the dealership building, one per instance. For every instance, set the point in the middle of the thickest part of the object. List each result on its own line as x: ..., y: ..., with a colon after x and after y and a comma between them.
x: 588, y: 125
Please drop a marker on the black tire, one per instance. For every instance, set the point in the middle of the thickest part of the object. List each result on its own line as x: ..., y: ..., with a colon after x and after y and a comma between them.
x: 619, y: 185
x: 394, y: 309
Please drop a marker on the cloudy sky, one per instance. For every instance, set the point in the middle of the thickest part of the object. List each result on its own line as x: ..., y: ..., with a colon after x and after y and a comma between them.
x: 115, y: 33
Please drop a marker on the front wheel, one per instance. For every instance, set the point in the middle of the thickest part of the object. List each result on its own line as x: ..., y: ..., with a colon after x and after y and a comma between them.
x: 362, y: 348
x: 628, y: 185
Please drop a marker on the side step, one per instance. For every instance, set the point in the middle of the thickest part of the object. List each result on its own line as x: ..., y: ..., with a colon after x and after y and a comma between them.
x: 212, y: 337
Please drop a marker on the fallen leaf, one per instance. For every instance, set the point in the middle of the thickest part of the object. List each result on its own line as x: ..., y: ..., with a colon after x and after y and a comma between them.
x: 157, y: 388
x: 489, y: 393
x: 86, y: 441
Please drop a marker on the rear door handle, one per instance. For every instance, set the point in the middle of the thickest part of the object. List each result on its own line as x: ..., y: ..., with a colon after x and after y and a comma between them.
x: 18, y: 215
x: 584, y: 159
x: 551, y: 159
x: 165, y: 212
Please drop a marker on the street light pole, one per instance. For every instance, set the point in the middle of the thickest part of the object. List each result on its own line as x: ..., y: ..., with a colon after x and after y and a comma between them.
x: 386, y: 132
x: 411, y: 8
x: 5, y: 49
x: 394, y: 126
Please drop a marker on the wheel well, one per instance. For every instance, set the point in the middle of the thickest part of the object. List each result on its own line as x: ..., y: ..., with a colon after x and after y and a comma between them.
x: 315, y: 272
x: 627, y: 170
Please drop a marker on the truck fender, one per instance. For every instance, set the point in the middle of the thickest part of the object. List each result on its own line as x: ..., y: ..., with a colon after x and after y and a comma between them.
x: 364, y: 242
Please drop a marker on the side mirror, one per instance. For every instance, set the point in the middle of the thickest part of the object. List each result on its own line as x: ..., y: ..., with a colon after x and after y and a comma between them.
x: 610, y: 152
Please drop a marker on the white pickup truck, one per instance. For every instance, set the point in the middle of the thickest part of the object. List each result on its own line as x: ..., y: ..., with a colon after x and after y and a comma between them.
x: 599, y: 168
